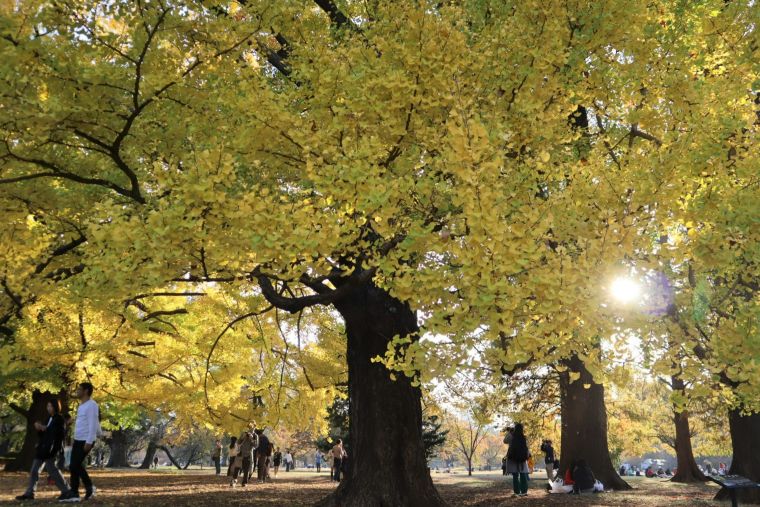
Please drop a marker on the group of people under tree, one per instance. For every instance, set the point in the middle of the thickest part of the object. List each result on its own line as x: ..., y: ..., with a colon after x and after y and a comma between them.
x: 49, y: 450
x: 251, y: 451
x: 578, y: 478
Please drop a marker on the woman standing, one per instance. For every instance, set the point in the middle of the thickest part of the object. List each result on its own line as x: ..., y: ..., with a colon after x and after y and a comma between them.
x: 517, y: 461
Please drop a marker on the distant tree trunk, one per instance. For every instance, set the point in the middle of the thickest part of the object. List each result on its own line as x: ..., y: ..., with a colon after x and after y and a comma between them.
x: 119, y: 445
x: 386, y: 454
x: 584, y: 425
x: 37, y: 412
x: 169, y: 455
x: 150, y: 452
x: 745, y: 442
x: 469, y: 466
x: 687, y: 469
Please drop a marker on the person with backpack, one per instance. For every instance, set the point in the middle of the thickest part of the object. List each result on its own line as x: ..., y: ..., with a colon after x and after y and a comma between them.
x: 517, y: 461
x: 263, y: 452
x: 49, y: 446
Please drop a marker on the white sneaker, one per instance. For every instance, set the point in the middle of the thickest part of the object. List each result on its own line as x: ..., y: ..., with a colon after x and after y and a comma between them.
x: 70, y: 499
x: 91, y: 494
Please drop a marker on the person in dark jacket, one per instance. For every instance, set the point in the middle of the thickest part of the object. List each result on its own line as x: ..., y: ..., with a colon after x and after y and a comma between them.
x: 548, y: 449
x: 517, y: 461
x: 583, y: 477
x: 50, y: 444
x: 263, y: 453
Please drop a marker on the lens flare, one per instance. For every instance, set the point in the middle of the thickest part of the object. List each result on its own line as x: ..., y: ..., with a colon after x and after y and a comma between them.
x: 625, y: 290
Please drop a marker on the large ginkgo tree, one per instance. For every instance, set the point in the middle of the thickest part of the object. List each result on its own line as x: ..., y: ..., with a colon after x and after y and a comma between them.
x: 477, y: 168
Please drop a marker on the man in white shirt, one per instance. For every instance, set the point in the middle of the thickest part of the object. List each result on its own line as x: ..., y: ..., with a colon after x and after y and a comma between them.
x: 288, y: 461
x: 85, y: 432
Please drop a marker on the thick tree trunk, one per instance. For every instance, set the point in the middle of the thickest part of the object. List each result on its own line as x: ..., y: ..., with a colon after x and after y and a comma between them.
x: 119, y: 445
x: 150, y: 452
x: 386, y: 454
x: 584, y: 425
x: 687, y: 469
x: 37, y: 412
x: 745, y: 442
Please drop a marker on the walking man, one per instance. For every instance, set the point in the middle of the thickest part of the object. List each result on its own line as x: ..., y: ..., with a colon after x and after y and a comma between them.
x: 85, y: 432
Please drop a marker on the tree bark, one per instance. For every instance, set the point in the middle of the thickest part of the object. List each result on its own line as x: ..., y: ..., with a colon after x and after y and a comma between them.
x: 169, y: 455
x: 37, y: 412
x: 386, y: 454
x: 745, y: 442
x: 119, y: 445
x: 584, y: 425
x: 687, y: 469
x: 150, y: 452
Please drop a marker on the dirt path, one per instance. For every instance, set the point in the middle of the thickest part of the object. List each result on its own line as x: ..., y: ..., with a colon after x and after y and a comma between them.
x: 302, y: 488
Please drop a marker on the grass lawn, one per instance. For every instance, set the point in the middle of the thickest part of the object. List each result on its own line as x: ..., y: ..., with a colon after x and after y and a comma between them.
x: 166, y: 487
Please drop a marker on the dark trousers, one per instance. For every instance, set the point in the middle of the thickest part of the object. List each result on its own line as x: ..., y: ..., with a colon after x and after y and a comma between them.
x: 246, y: 470
x: 337, y: 464
x: 77, y: 468
x: 263, y: 464
x: 218, y: 464
x: 520, y: 483
x: 319, y: 466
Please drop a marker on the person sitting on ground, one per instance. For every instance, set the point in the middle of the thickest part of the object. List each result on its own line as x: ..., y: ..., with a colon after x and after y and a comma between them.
x: 649, y: 472
x: 583, y: 477
x: 568, y: 479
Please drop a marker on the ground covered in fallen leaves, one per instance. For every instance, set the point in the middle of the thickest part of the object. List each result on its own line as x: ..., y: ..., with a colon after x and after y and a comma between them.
x: 303, y: 488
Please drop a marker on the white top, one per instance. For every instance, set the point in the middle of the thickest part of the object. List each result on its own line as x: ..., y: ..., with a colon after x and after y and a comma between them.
x: 87, y: 424
x: 288, y: 458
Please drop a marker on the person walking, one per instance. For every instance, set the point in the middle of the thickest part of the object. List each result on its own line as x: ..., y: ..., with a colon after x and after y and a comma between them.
x: 86, y: 431
x: 517, y: 461
x: 48, y: 448
x: 216, y: 457
x: 338, y: 453
x: 263, y: 453
x: 276, y: 461
x: 318, y: 460
x: 288, y: 461
x: 232, y: 457
x: 548, y: 450
x: 247, y: 444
